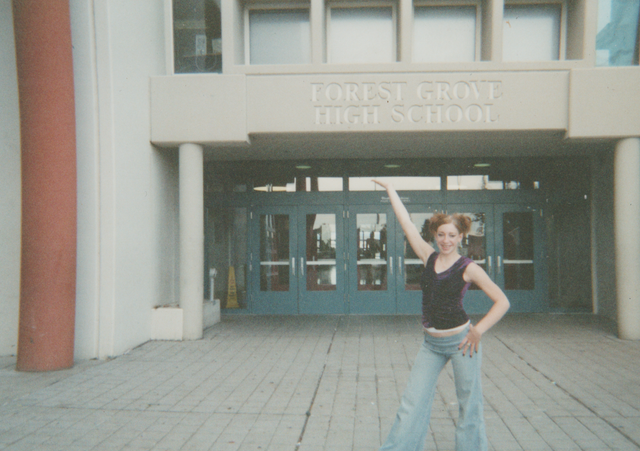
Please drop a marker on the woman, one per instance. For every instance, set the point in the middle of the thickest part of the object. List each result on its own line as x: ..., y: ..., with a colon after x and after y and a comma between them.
x: 449, y: 335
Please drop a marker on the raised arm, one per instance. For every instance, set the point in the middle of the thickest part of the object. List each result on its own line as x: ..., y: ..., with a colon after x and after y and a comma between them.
x: 422, y: 249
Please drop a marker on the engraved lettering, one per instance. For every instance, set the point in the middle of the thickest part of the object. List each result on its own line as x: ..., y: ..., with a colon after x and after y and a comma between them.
x: 410, y: 113
x: 315, y: 90
x: 476, y: 91
x: 373, y: 113
x: 384, y: 89
x: 425, y: 90
x: 399, y: 89
x: 349, y: 116
x: 465, y: 90
x: 478, y: 113
x: 369, y: 93
x: 428, y: 102
x: 495, y: 89
x: 335, y: 87
x: 322, y: 111
x: 351, y: 94
x: 430, y: 113
x: 488, y: 118
x: 442, y: 90
x: 458, y: 113
x: 397, y: 114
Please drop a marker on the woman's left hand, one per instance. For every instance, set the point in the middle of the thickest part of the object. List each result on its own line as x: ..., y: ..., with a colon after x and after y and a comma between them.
x: 471, y: 341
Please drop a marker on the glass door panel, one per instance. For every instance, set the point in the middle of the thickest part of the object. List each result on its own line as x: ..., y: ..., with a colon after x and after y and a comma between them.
x: 321, y: 237
x: 413, y: 266
x: 322, y: 269
x: 274, y: 253
x: 517, y: 238
x: 521, y: 265
x: 273, y: 261
x: 370, y: 265
x: 226, y: 252
x: 372, y: 251
x: 474, y: 245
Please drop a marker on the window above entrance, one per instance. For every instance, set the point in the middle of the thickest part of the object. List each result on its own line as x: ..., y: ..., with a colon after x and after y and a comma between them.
x: 319, y: 36
x: 361, y: 34
x: 532, y: 32
x: 484, y: 182
x: 617, y: 39
x: 399, y: 183
x: 427, y: 175
x: 301, y: 184
x: 278, y: 36
x: 197, y: 36
x: 446, y: 33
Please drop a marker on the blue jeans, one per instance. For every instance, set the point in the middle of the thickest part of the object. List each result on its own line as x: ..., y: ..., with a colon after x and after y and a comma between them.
x: 410, y: 428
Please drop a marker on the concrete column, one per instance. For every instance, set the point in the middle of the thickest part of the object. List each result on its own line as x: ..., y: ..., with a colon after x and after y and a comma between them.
x: 48, y: 151
x: 191, y: 240
x: 627, y: 236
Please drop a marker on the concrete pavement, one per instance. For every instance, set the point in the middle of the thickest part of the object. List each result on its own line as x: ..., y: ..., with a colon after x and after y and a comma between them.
x: 312, y: 383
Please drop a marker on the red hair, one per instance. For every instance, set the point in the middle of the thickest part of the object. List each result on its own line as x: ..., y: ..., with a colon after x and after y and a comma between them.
x: 462, y: 222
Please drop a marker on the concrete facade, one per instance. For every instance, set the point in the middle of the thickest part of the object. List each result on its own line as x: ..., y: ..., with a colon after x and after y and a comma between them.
x: 134, y: 113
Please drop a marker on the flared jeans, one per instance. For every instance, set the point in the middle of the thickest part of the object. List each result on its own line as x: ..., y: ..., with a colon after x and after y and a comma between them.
x: 411, y: 425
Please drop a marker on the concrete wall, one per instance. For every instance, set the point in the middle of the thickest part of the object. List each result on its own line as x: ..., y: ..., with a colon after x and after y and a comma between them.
x: 137, y: 189
x: 127, y: 189
x: 9, y: 186
x: 87, y: 152
x: 604, y: 103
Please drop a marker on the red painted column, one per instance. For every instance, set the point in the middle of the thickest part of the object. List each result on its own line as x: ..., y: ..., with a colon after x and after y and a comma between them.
x: 47, y: 132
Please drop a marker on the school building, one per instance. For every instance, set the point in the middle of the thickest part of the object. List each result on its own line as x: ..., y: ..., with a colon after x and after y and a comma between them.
x: 154, y: 151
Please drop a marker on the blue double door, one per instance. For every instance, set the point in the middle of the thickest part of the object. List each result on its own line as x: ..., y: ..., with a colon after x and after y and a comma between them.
x: 297, y: 260
x: 322, y: 259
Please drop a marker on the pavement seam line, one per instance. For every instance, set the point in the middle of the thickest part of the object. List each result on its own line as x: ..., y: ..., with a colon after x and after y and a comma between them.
x: 571, y: 395
x: 315, y: 392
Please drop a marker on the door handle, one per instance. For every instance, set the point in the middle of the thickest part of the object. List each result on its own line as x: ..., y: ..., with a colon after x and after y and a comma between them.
x: 391, y: 265
x: 489, y: 264
x: 293, y: 266
x: 399, y: 265
x: 499, y: 264
x: 301, y: 266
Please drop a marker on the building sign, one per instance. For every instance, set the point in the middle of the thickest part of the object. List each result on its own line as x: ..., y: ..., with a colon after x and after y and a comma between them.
x: 429, y: 102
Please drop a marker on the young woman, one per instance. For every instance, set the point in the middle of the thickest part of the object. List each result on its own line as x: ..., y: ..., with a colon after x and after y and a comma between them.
x: 449, y: 335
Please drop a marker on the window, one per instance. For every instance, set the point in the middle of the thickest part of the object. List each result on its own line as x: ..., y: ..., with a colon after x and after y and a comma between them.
x: 484, y: 182
x: 301, y: 184
x: 226, y: 232
x: 401, y: 183
x: 617, y: 39
x: 361, y: 35
x: 197, y: 37
x: 279, y: 36
x: 532, y: 32
x: 444, y: 33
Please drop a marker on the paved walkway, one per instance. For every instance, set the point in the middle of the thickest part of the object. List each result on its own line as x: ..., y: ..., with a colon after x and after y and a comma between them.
x: 552, y: 382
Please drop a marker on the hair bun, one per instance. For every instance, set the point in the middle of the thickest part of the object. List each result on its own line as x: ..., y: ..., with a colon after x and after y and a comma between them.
x: 462, y: 222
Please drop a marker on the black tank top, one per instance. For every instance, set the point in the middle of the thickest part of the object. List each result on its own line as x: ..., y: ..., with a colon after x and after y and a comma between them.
x: 442, y: 294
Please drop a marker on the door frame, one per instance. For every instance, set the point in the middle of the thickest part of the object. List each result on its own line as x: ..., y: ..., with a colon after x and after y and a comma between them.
x: 403, y: 302
x: 298, y: 300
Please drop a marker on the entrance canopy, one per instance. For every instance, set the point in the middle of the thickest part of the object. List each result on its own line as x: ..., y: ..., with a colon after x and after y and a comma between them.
x: 233, y: 110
